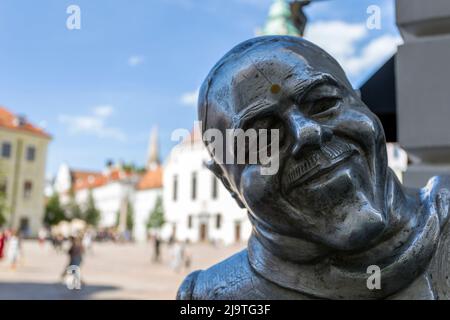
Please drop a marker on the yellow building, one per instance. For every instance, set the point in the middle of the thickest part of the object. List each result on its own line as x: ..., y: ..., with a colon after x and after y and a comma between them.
x: 23, y: 156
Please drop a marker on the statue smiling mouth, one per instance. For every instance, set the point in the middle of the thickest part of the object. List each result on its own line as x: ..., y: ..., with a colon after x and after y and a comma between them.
x: 319, y: 163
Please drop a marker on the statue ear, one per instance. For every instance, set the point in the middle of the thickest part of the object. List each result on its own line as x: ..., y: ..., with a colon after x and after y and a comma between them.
x: 218, y: 172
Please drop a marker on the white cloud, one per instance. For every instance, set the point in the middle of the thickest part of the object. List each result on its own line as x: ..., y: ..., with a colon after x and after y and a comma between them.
x: 103, y: 111
x: 93, y: 124
x: 337, y: 37
x: 378, y: 50
x: 190, y: 98
x: 342, y: 40
x: 135, y: 60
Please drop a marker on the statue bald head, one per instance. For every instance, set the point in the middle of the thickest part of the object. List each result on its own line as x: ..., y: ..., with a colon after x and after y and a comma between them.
x: 258, y: 67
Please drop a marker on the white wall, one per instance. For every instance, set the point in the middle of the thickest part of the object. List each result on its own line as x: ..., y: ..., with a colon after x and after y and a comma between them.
x: 183, y: 161
x: 63, y: 180
x: 144, y: 203
x: 108, y: 200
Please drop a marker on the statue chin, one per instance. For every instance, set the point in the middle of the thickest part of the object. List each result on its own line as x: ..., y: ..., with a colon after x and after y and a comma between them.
x: 345, y: 214
x: 358, y: 231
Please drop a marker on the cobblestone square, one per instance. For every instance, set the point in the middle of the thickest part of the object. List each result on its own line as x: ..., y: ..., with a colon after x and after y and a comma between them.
x: 110, y: 271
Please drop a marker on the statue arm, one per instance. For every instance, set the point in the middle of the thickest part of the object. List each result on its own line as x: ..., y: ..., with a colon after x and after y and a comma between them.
x: 186, y: 290
x: 439, y: 197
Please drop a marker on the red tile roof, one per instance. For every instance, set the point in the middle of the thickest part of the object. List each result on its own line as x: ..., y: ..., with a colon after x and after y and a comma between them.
x: 152, y: 179
x: 90, y: 179
x: 87, y: 180
x: 10, y: 121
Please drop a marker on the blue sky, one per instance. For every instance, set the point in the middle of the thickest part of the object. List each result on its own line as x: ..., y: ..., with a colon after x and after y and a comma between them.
x: 136, y: 64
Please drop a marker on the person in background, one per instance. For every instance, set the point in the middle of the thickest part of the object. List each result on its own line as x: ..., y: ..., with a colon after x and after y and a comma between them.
x: 156, y: 248
x: 2, y: 243
x: 87, y: 241
x: 75, y: 253
x: 187, y: 257
x: 42, y: 236
x: 178, y: 256
x: 14, y: 248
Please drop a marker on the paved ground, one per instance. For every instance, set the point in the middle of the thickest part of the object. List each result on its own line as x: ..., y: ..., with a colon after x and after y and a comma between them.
x: 111, y: 271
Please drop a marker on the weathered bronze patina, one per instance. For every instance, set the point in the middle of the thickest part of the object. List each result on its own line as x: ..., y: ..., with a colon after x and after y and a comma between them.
x: 334, y: 208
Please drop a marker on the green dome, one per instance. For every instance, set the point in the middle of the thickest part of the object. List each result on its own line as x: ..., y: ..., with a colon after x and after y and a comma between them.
x: 279, y: 21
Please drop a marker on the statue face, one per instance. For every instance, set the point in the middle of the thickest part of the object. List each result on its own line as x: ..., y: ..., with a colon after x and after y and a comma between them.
x: 331, y: 180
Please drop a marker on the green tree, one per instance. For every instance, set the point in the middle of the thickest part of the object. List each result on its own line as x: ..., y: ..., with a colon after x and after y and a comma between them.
x: 3, y: 200
x: 3, y: 209
x: 117, y: 218
x: 73, y: 210
x: 54, y: 213
x: 130, y: 216
x: 156, y: 219
x: 92, y: 214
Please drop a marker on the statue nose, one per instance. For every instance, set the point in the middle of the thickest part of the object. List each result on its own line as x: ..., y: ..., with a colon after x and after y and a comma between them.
x: 306, y: 133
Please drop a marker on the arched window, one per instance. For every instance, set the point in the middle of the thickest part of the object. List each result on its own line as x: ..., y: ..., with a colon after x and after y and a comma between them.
x: 190, y: 222
x: 215, y: 188
x: 175, y: 188
x: 194, y: 185
x: 218, y: 221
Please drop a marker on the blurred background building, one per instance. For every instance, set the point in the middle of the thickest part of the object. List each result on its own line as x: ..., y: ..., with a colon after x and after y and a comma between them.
x: 22, y: 171
x: 123, y: 195
x: 198, y: 208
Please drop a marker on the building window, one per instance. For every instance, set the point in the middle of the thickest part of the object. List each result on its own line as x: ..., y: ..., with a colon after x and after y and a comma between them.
x: 6, y: 150
x: 175, y: 188
x: 31, y: 153
x: 219, y: 221
x: 190, y: 222
x: 27, y: 189
x: 215, y: 187
x: 194, y: 186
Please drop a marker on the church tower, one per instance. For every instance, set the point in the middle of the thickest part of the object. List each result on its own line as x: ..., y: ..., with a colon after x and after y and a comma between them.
x: 153, y: 160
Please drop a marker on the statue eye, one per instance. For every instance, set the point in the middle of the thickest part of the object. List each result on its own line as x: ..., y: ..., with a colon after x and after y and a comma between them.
x: 268, y: 123
x: 323, y: 106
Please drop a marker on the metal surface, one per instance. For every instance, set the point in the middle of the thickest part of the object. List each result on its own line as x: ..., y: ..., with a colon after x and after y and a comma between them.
x: 334, y: 208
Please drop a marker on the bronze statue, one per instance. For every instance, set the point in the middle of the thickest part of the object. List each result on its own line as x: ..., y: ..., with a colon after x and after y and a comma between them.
x: 334, y: 208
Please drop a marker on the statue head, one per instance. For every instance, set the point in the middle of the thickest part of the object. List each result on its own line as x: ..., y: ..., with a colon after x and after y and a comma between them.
x: 331, y: 181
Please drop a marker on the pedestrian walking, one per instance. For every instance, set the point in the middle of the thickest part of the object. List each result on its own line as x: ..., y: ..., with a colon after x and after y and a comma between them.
x: 42, y: 236
x: 88, y: 238
x: 2, y: 243
x: 75, y: 253
x: 14, y: 249
x: 178, y: 256
x: 156, y: 248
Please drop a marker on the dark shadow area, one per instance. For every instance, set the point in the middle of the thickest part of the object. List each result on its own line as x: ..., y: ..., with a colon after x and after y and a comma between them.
x: 379, y: 94
x: 48, y: 291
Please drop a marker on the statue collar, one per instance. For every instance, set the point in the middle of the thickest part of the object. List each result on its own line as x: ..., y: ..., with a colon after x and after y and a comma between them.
x: 333, y: 276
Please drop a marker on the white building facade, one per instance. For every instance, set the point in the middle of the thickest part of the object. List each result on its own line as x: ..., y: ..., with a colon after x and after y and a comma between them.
x: 114, y: 191
x: 197, y: 206
x: 109, y: 199
x: 146, y: 194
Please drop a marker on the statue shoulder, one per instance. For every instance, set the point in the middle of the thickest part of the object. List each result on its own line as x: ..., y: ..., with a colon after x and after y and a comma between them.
x: 225, y: 280
x: 437, y: 197
x: 186, y: 290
